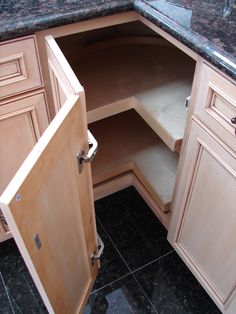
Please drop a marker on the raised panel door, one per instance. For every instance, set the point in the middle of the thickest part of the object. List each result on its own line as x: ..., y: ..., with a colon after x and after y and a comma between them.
x: 203, y: 226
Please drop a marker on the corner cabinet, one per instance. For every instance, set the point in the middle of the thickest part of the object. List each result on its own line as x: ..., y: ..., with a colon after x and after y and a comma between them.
x: 135, y: 107
x: 203, y: 225
x: 49, y: 203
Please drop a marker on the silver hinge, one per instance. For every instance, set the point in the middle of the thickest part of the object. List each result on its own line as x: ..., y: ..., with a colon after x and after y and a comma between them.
x: 82, y: 157
x: 98, y: 253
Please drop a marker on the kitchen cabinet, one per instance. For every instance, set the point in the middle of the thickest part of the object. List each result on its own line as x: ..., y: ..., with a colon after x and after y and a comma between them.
x: 23, y: 108
x: 58, y: 228
x: 203, y: 228
x: 135, y: 79
x: 49, y: 204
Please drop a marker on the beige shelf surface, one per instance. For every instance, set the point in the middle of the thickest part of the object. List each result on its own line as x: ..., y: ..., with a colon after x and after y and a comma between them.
x: 152, y: 79
x: 126, y: 143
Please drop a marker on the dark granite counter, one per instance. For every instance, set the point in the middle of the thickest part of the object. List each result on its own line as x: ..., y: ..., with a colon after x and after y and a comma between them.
x: 206, y: 26
x: 18, y: 18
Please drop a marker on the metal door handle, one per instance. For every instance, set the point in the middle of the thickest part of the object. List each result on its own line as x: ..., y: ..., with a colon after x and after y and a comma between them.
x: 82, y: 157
x: 100, y: 248
x: 93, y: 147
x: 233, y: 120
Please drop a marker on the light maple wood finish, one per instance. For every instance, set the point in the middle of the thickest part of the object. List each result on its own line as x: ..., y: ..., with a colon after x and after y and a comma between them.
x: 112, y: 185
x: 169, y: 38
x: 125, y: 180
x: 127, y: 143
x: 66, y: 83
x: 216, y: 104
x: 163, y: 197
x: 145, y: 71
x: 98, y: 23
x: 72, y: 29
x: 22, y: 121
x: 47, y: 197
x: 19, y: 66
x: 203, y: 223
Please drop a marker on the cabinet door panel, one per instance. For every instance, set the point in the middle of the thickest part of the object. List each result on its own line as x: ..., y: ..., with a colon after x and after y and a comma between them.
x: 22, y: 121
x: 204, y: 233
x: 45, y: 204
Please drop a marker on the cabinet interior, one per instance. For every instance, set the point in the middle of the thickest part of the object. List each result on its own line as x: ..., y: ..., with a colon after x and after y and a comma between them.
x: 136, y: 84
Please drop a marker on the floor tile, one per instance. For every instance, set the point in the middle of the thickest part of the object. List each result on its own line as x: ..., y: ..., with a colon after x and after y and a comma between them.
x: 18, y: 293
x: 172, y: 288
x: 135, y: 230
x: 122, y: 297
x: 112, y: 265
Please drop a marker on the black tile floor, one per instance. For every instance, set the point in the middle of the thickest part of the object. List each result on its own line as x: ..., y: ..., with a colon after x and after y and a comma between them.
x: 140, y: 272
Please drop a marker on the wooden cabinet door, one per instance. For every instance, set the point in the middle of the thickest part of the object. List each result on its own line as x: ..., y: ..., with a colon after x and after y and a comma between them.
x: 49, y: 203
x: 49, y: 208
x: 203, y: 225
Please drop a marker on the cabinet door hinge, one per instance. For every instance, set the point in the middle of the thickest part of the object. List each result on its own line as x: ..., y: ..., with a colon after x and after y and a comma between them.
x: 82, y: 157
x: 98, y: 253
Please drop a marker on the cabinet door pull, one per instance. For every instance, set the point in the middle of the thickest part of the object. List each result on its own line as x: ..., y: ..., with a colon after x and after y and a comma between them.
x: 100, y: 248
x: 187, y: 101
x: 93, y: 147
x: 233, y: 120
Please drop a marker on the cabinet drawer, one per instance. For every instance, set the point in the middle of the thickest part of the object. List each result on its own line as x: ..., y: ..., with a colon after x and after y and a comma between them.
x: 19, y: 67
x: 216, y: 104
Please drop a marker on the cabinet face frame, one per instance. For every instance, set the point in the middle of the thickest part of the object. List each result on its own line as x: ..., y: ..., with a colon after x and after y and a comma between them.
x: 203, y: 141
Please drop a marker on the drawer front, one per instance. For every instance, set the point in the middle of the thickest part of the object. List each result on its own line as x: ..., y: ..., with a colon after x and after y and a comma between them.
x: 216, y: 104
x: 19, y: 67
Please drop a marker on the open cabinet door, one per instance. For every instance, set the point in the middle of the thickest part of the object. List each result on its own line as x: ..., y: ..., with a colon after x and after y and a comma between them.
x: 49, y: 206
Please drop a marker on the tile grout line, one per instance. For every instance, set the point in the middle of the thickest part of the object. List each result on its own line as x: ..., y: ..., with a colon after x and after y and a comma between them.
x: 144, y: 293
x: 110, y: 283
x: 8, y: 296
x: 114, y: 245
x: 153, y: 261
x: 131, y: 272
x: 138, y: 283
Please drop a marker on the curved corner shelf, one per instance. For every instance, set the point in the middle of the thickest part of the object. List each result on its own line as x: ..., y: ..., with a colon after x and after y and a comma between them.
x: 142, y: 74
x: 127, y: 143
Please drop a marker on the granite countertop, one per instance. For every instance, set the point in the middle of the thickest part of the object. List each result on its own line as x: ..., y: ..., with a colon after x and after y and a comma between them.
x: 208, y: 27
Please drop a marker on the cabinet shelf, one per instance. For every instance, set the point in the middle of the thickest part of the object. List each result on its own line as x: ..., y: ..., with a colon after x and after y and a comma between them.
x: 146, y: 75
x: 128, y: 143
